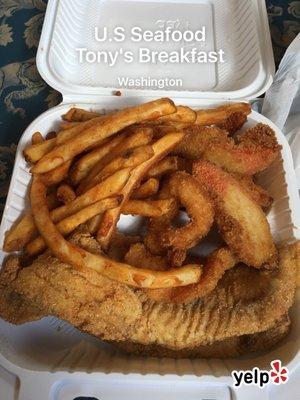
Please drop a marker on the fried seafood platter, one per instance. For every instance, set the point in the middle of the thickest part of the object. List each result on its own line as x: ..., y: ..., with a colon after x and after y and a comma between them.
x: 200, y: 276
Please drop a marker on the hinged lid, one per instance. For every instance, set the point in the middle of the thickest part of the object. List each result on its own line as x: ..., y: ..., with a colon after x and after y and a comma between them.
x: 239, y: 28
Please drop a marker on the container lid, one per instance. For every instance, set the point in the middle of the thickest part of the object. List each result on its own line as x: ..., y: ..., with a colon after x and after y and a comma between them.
x: 202, y: 49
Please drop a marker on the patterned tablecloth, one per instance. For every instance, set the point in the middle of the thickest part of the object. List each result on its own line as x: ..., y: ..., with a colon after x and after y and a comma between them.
x: 24, y: 95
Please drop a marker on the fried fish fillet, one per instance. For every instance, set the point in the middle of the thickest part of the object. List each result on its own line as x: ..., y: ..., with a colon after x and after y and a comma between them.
x: 245, y: 302
x: 254, y: 151
x: 241, y: 222
x: 231, y: 347
x: 86, y: 299
x: 256, y: 192
x: 13, y: 307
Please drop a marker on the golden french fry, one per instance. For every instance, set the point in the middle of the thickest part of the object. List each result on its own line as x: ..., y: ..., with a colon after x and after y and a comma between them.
x: 138, y: 136
x: 69, y: 224
x: 146, y: 190
x: 147, y: 208
x: 65, y: 194
x: 68, y: 125
x: 56, y: 175
x: 135, y: 207
x: 111, y: 186
x: 34, y: 153
x: 80, y: 258
x: 37, y: 138
x: 161, y: 130
x: 22, y: 232
x: 108, y: 127
x: 166, y: 165
x: 67, y: 134
x: 79, y: 115
x: 183, y: 114
x: 131, y: 159
x: 160, y: 148
x: 94, y: 223
x: 218, y: 115
x: 175, y: 125
x: 85, y: 164
x: 24, y: 229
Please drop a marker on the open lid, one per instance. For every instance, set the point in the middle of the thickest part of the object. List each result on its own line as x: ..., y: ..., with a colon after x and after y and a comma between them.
x: 73, y: 58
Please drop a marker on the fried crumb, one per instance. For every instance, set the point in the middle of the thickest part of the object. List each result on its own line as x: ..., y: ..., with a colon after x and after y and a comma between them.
x: 234, y: 122
x: 260, y: 135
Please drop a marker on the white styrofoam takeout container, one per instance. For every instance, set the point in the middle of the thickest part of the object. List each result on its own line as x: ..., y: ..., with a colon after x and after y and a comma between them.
x: 53, y: 360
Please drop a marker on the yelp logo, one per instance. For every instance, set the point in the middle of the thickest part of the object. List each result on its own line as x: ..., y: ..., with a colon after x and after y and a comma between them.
x: 277, y: 376
x: 278, y: 373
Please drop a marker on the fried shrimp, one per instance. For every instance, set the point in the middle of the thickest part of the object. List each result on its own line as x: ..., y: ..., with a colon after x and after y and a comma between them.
x: 157, y: 225
x: 199, y: 208
x: 241, y: 222
x: 254, y: 151
x: 188, y: 193
x: 138, y: 255
x: 214, y: 268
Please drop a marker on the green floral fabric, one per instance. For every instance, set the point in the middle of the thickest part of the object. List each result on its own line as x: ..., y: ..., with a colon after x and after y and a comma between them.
x: 24, y: 95
x: 284, y: 20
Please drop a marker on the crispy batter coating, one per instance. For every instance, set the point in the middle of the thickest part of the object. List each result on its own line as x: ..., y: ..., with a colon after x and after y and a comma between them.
x: 162, y: 235
x: 255, y: 150
x: 138, y: 255
x: 215, y: 267
x: 196, y: 140
x: 176, y: 257
x: 260, y: 135
x: 120, y: 245
x: 255, y: 191
x: 240, y: 220
x: 199, y: 208
x: 233, y: 122
x: 156, y: 225
x: 13, y: 307
x: 85, y: 298
x: 246, y: 301
x: 232, y: 347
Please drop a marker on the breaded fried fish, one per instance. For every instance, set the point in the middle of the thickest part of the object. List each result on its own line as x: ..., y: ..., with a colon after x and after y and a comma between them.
x: 241, y: 222
x: 246, y: 301
x: 254, y: 151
